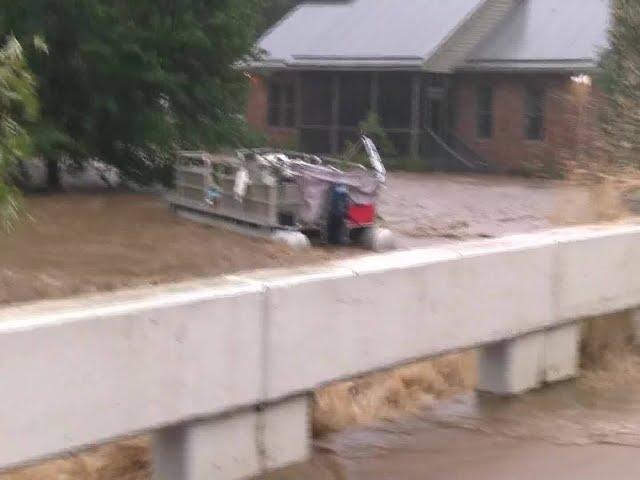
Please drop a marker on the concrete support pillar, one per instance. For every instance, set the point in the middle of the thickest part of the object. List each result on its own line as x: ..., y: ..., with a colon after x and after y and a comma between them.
x: 524, y: 363
x: 238, y: 446
x: 562, y: 353
x: 416, y: 82
x: 335, y: 114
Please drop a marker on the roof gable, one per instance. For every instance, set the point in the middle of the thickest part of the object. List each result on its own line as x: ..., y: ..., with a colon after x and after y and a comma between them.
x: 547, y: 34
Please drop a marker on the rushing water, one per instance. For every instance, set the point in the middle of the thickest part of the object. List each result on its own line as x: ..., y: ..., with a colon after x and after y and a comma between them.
x: 588, y: 429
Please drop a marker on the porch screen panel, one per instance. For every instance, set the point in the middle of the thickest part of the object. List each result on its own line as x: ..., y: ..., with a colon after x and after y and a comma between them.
x: 316, y: 99
x: 355, y: 98
x: 401, y: 142
x: 394, y: 101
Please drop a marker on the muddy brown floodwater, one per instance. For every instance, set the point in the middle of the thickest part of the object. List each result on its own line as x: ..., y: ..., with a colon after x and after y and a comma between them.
x: 425, y: 209
x: 85, y: 242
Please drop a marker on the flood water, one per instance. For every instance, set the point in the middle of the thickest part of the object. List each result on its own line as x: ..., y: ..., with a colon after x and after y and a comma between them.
x: 589, y: 429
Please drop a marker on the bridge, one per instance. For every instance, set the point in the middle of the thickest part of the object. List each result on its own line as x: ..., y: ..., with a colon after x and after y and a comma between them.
x: 221, y: 371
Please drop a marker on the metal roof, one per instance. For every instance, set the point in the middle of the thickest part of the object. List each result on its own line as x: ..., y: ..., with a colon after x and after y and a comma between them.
x: 546, y: 35
x: 506, y: 35
x: 361, y: 33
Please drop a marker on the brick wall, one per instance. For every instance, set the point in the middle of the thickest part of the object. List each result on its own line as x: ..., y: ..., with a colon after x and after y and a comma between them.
x: 508, y: 149
x: 256, y: 112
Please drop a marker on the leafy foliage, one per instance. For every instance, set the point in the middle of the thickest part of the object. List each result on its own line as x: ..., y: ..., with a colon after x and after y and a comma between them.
x: 18, y: 105
x: 372, y: 127
x: 620, y: 80
x: 129, y: 82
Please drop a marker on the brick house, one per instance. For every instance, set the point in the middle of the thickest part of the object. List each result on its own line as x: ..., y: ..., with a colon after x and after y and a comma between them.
x: 456, y: 82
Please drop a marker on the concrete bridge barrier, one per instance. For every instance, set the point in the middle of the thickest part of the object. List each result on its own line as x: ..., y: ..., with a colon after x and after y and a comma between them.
x: 221, y: 370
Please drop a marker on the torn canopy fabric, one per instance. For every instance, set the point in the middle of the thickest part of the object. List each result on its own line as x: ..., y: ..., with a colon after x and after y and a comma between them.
x: 315, y: 181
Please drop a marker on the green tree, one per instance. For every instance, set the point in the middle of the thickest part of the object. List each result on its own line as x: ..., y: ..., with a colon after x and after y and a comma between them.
x: 128, y: 82
x: 18, y: 106
x: 620, y: 80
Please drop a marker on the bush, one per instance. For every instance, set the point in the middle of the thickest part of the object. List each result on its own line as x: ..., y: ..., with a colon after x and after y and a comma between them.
x: 371, y: 126
x: 18, y: 105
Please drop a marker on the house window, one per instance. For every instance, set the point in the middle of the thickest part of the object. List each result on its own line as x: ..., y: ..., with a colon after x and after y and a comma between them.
x: 281, y: 104
x: 484, y: 112
x: 534, y: 114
